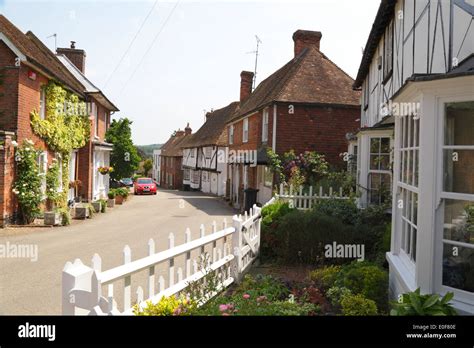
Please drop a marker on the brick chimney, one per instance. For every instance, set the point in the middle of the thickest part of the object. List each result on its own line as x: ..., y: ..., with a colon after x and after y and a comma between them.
x: 179, y: 133
x: 188, y: 129
x: 246, y: 81
x: 76, y: 56
x: 306, y: 38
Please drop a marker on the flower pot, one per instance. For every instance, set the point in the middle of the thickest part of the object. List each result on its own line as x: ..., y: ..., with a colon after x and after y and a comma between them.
x: 97, y: 206
x: 81, y: 213
x: 118, y: 200
x: 110, y: 202
x: 52, y: 218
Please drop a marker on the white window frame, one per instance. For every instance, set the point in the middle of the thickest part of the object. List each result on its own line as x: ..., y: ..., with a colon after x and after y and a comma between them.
x: 43, y: 169
x: 42, y: 108
x: 245, y: 130
x: 265, y: 125
x: 231, y: 134
x: 377, y: 171
x: 460, y: 295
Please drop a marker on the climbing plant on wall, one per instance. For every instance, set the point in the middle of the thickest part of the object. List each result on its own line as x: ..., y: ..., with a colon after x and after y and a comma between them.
x: 66, y: 127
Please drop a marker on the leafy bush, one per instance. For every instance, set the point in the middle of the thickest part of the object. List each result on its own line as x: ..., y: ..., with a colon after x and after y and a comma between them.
x: 166, y: 306
x: 27, y: 186
x: 344, y: 210
x: 366, y: 279
x: 122, y: 191
x: 413, y: 303
x: 335, y: 295
x: 263, y: 285
x: 325, y: 277
x: 271, y: 216
x: 358, y: 305
x: 112, y: 193
x: 303, y: 235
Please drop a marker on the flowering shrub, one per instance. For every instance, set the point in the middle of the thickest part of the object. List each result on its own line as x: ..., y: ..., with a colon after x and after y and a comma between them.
x: 167, y: 306
x: 27, y: 187
x: 52, y: 182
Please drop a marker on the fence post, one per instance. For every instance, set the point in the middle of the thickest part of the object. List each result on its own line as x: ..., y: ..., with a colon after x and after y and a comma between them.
x: 237, y: 248
x: 80, y: 288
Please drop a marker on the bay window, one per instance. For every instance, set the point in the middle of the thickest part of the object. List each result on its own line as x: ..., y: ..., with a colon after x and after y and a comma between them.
x: 458, y: 197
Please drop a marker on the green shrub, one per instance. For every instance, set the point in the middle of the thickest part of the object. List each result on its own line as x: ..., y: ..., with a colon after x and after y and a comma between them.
x: 325, y: 277
x: 273, y: 212
x: 413, y: 303
x: 302, y: 237
x: 103, y: 205
x: 122, y: 191
x: 358, y: 305
x: 335, y: 295
x: 366, y: 279
x: 263, y: 285
x: 344, y: 210
x: 112, y: 193
x: 271, y: 215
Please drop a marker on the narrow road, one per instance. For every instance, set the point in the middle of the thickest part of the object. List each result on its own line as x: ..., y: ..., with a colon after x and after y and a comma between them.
x: 34, y: 287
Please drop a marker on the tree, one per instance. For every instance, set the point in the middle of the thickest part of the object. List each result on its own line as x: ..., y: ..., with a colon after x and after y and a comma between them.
x: 124, y: 158
x: 147, y: 165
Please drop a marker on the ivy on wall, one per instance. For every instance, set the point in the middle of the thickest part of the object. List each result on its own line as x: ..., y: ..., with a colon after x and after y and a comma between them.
x: 65, y: 127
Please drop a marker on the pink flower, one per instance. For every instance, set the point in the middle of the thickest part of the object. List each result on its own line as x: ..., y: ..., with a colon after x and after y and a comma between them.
x: 246, y: 296
x: 223, y: 307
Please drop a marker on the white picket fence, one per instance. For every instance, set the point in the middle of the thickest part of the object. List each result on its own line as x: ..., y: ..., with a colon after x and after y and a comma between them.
x: 305, y: 201
x: 82, y: 285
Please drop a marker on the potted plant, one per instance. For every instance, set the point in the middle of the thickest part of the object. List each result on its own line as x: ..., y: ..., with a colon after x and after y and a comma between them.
x: 97, y: 206
x: 111, y: 200
x: 52, y: 218
x: 103, y: 205
x: 119, y: 196
x: 81, y: 211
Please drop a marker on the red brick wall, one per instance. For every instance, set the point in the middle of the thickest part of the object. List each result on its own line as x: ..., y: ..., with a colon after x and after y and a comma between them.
x: 102, y: 118
x: 316, y: 128
x: 8, y: 89
x: 174, y: 170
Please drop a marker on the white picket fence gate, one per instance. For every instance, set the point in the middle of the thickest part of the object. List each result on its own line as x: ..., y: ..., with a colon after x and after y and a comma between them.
x: 82, y: 285
x: 304, y: 201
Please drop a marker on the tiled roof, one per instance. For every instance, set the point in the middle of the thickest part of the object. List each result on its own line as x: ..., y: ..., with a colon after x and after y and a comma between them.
x: 39, y: 55
x: 311, y: 77
x: 173, y: 147
x: 212, y: 131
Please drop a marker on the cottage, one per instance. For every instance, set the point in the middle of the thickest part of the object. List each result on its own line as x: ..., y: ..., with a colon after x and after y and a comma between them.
x: 205, y: 154
x: 28, y: 70
x: 156, y: 170
x: 307, y: 105
x: 417, y: 142
x: 171, y: 159
x: 96, y: 153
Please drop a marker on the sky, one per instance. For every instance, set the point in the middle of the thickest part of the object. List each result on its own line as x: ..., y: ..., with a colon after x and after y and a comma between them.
x: 187, y: 56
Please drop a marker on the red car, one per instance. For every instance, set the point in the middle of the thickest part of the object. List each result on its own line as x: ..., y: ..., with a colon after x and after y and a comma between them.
x: 144, y: 185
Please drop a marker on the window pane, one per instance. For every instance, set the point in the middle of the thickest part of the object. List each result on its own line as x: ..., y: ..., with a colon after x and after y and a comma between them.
x: 374, y: 145
x: 459, y: 221
x: 385, y: 145
x: 458, y: 267
x: 459, y: 171
x: 459, y: 126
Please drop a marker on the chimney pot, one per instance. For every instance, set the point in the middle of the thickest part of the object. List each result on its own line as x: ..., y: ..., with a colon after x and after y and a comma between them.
x: 305, y: 39
x: 73, y: 44
x: 188, y: 129
x: 246, y: 81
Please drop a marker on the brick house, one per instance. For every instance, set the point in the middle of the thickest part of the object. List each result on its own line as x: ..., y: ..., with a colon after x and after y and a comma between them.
x: 171, y: 159
x: 26, y: 66
x: 307, y: 105
x: 204, y: 154
x: 96, y: 153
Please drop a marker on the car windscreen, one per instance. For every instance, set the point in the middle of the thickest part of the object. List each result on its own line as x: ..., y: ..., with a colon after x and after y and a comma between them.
x: 144, y: 181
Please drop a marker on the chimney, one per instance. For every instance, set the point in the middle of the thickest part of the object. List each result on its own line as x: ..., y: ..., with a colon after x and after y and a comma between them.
x: 188, y: 129
x: 306, y: 38
x: 179, y: 133
x: 246, y: 81
x: 76, y: 56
